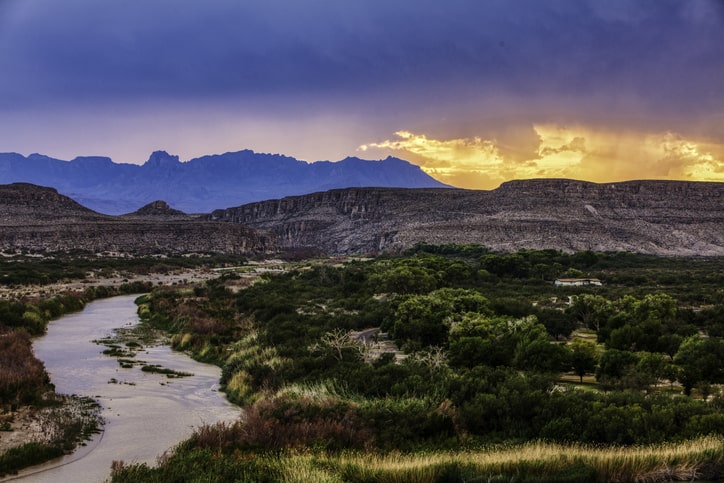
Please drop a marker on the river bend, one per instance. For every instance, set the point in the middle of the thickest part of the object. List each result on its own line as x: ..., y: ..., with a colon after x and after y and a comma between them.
x: 145, y: 414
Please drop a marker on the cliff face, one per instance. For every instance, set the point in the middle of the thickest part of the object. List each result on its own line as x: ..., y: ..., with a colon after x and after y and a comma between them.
x: 138, y: 238
x: 37, y: 218
x: 656, y: 217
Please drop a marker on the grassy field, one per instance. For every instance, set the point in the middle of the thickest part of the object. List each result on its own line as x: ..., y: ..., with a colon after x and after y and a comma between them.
x: 539, y: 462
x: 535, y: 461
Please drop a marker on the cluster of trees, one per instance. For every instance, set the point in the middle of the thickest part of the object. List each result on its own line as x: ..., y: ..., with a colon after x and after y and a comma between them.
x: 650, y: 339
x: 33, y: 315
x: 486, y: 338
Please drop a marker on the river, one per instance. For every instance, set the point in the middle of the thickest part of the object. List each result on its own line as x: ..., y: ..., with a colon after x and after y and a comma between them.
x: 145, y: 414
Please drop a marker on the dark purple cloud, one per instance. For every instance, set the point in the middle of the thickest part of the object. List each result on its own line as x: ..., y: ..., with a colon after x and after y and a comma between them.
x: 665, y: 53
x: 318, y: 78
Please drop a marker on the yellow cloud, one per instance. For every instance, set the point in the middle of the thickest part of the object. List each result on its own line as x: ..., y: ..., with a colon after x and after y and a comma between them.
x: 575, y: 152
x: 470, y: 152
x: 464, y: 162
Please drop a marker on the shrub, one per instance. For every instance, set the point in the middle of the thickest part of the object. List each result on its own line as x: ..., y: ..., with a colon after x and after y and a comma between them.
x: 27, y: 455
x: 22, y: 376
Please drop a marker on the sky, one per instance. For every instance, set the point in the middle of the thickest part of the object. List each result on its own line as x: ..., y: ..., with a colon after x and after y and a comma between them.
x: 476, y: 92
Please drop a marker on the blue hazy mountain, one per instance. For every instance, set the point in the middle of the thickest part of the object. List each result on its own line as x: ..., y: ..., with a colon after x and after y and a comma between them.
x: 203, y: 184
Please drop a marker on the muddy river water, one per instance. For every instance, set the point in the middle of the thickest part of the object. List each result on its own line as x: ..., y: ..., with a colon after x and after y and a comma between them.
x: 145, y: 414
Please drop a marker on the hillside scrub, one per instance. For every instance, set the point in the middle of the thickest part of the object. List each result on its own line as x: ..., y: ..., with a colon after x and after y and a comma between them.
x: 22, y: 376
x: 25, y: 269
x: 488, y: 344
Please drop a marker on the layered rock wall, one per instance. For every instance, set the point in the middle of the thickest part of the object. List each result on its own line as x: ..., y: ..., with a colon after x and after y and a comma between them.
x: 657, y: 217
x: 40, y: 219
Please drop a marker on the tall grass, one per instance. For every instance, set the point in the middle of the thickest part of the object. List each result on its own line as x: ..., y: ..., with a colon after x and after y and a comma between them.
x: 27, y: 455
x: 245, y: 356
x: 701, y: 458
x: 534, y: 462
x: 318, y: 391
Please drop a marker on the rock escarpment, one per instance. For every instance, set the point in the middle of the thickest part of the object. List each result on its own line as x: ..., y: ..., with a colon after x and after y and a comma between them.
x: 41, y: 219
x: 657, y: 217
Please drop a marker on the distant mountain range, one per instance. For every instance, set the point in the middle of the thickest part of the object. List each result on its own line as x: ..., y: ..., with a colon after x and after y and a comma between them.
x: 203, y: 184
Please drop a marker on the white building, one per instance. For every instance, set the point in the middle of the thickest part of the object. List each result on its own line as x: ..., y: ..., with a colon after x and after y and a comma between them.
x: 576, y: 282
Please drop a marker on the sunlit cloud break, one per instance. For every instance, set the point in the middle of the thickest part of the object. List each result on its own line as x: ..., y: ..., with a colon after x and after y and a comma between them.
x: 576, y: 152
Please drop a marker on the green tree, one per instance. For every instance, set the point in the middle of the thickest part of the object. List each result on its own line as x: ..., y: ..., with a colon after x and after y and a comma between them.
x: 584, y: 259
x: 669, y: 344
x: 583, y: 357
x: 503, y: 341
x: 657, y: 307
x: 701, y: 360
x: 538, y: 354
x: 614, y: 365
x: 558, y: 324
x: 653, y: 367
x: 590, y: 310
x: 641, y: 324
x: 424, y: 320
x: 626, y: 338
x: 404, y: 280
x: 511, y: 265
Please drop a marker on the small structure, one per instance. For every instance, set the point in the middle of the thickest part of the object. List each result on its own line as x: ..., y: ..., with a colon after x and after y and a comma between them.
x: 576, y: 282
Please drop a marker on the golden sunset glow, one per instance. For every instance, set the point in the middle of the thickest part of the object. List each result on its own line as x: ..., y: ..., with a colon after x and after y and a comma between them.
x: 577, y: 152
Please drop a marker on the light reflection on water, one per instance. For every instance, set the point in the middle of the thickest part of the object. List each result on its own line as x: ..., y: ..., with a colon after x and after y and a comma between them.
x: 146, y: 414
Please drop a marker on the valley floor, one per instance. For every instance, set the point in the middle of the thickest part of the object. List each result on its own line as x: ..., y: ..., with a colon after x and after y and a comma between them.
x: 177, y: 277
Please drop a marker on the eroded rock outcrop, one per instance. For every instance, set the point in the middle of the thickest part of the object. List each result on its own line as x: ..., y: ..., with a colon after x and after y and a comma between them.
x: 41, y: 219
x: 657, y: 217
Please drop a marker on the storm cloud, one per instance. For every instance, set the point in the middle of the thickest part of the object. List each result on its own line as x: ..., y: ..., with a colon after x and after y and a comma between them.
x: 80, y: 49
x: 454, y: 69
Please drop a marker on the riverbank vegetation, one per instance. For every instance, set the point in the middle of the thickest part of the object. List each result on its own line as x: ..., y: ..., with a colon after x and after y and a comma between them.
x: 47, y: 268
x: 449, y: 351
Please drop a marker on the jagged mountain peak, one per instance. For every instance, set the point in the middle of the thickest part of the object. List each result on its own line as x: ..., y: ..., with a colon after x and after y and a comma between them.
x: 205, y: 183
x: 162, y: 159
